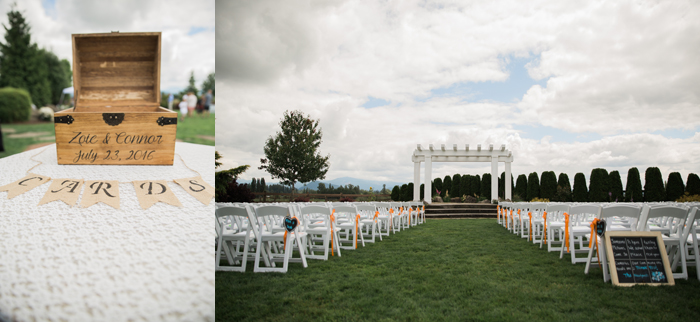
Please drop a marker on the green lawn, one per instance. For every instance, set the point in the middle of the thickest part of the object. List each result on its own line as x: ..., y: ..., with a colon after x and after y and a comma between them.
x: 448, y: 270
x: 194, y: 130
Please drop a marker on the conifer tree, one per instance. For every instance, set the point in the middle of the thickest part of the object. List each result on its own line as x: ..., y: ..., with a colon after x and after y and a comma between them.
x: 654, y: 185
x: 616, y: 187
x: 692, y: 186
x: 533, y: 186
x: 633, y: 188
x: 521, y: 187
x: 563, y: 188
x: 486, y: 186
x: 674, y: 186
x: 580, y: 193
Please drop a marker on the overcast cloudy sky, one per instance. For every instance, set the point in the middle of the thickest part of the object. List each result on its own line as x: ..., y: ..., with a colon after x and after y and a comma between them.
x: 187, y: 42
x: 567, y: 86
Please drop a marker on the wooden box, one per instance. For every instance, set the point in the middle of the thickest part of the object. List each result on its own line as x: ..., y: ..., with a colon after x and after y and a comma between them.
x: 117, y: 118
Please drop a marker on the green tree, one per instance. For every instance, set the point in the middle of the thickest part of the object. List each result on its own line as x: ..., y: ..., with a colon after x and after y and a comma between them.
x: 292, y: 155
x: 422, y: 191
x: 21, y: 64
x: 223, y: 179
x: 521, y: 187
x: 674, y: 187
x: 476, y: 185
x: 209, y: 84
x: 580, y: 193
x: 403, y: 192
x: 615, y: 183
x: 599, y: 189
x: 396, y: 194
x: 563, y: 188
x: 437, y: 187
x: 191, y: 87
x: 533, y: 186
x: 633, y: 188
x: 253, y: 185
x: 548, y: 185
x: 692, y: 186
x: 486, y: 186
x: 456, y: 190
x: 465, y: 187
x: 447, y: 186
x: 59, y: 74
x: 262, y: 187
x: 654, y: 185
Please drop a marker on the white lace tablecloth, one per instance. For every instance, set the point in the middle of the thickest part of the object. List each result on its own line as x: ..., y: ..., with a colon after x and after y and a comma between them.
x: 62, y: 263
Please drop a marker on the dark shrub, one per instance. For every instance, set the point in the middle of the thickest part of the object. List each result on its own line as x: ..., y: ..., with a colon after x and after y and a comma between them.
x: 674, y: 186
x: 533, y: 186
x: 476, y: 185
x: 633, y: 188
x: 580, y: 193
x: 437, y: 186
x: 599, y: 187
x: 693, y: 184
x: 456, y: 190
x: 548, y: 185
x: 465, y: 185
x: 486, y: 186
x: 563, y: 188
x: 521, y: 187
x: 654, y: 185
x: 346, y: 199
x: 446, y: 187
x: 15, y: 105
x: 396, y: 194
x: 616, y: 186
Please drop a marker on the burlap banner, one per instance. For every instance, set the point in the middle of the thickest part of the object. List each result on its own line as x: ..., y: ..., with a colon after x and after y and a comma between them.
x: 198, y: 188
x: 23, y: 185
x: 153, y: 191
x: 105, y: 191
x: 66, y: 190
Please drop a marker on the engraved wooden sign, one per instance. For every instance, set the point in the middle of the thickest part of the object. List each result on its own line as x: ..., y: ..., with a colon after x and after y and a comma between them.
x: 117, y: 117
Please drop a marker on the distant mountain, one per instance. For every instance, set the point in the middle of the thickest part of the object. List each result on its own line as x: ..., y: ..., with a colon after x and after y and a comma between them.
x: 364, y: 184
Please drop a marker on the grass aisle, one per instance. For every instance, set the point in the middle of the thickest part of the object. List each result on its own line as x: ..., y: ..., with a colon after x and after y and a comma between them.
x: 448, y: 270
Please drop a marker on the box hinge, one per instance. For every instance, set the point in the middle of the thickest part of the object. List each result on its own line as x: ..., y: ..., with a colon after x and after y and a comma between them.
x: 67, y: 119
x: 166, y: 120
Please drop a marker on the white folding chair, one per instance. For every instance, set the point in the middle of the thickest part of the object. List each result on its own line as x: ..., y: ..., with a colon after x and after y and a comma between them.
x: 617, y: 218
x: 320, y: 229
x: 370, y: 221
x: 675, y: 241
x: 347, y: 221
x: 579, y: 221
x: 555, y: 226
x: 236, y: 232
x: 263, y: 225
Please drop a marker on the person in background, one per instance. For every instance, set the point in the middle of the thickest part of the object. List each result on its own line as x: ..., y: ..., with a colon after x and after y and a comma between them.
x: 200, y: 105
x: 170, y: 101
x: 183, y: 107
x: 191, y: 103
x: 207, y: 102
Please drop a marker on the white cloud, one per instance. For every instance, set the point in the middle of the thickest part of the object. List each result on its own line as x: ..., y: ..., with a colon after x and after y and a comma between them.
x: 621, y: 70
x: 181, y: 52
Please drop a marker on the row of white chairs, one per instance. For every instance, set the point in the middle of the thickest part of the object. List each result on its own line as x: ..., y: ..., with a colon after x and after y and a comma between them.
x: 256, y: 231
x: 567, y: 227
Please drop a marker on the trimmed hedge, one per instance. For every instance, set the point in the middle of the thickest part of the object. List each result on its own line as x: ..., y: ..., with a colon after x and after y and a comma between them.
x: 599, y: 189
x: 692, y: 186
x: 403, y: 192
x: 563, y: 188
x: 580, y: 193
x: 476, y: 185
x: 456, y: 190
x: 15, y: 105
x: 533, y: 186
x: 437, y: 186
x: 422, y: 191
x: 486, y: 186
x: 674, y: 186
x: 465, y: 185
x: 396, y: 193
x: 548, y: 185
x: 633, y: 188
x: 616, y: 186
x: 521, y: 187
x: 410, y: 191
x: 654, y: 185
x: 447, y: 185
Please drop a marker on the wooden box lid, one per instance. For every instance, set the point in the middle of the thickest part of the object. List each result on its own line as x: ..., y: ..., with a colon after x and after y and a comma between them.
x: 116, y: 69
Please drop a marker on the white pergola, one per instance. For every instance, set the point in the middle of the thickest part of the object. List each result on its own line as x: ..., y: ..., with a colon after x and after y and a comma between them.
x: 456, y: 155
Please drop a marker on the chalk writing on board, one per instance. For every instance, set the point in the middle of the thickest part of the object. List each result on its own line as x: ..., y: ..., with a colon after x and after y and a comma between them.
x: 637, y: 260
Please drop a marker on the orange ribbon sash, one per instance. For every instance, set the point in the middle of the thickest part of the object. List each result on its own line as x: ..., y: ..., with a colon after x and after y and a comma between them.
x: 594, y: 235
x: 545, y: 226
x: 530, y: 214
x: 566, y: 232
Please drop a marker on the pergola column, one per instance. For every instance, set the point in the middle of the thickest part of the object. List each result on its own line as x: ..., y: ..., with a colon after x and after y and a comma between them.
x: 508, y: 182
x: 416, y: 181
x: 494, y: 178
x: 428, y: 188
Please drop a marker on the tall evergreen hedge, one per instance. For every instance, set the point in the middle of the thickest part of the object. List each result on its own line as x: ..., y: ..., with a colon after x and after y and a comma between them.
x: 563, y: 188
x: 533, y: 186
x: 410, y: 191
x: 476, y: 185
x: 437, y: 186
x: 447, y: 185
x: 616, y: 186
x: 692, y: 186
x: 422, y: 191
x: 486, y: 186
x: 600, y: 186
x: 465, y: 185
x: 633, y: 188
x: 396, y: 194
x: 521, y: 187
x: 674, y: 186
x: 580, y: 193
x: 654, y: 185
x: 456, y: 190
x: 403, y: 192
x: 548, y: 185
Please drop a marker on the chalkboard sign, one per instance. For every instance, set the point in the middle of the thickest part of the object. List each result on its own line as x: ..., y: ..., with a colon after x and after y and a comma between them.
x: 637, y: 257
